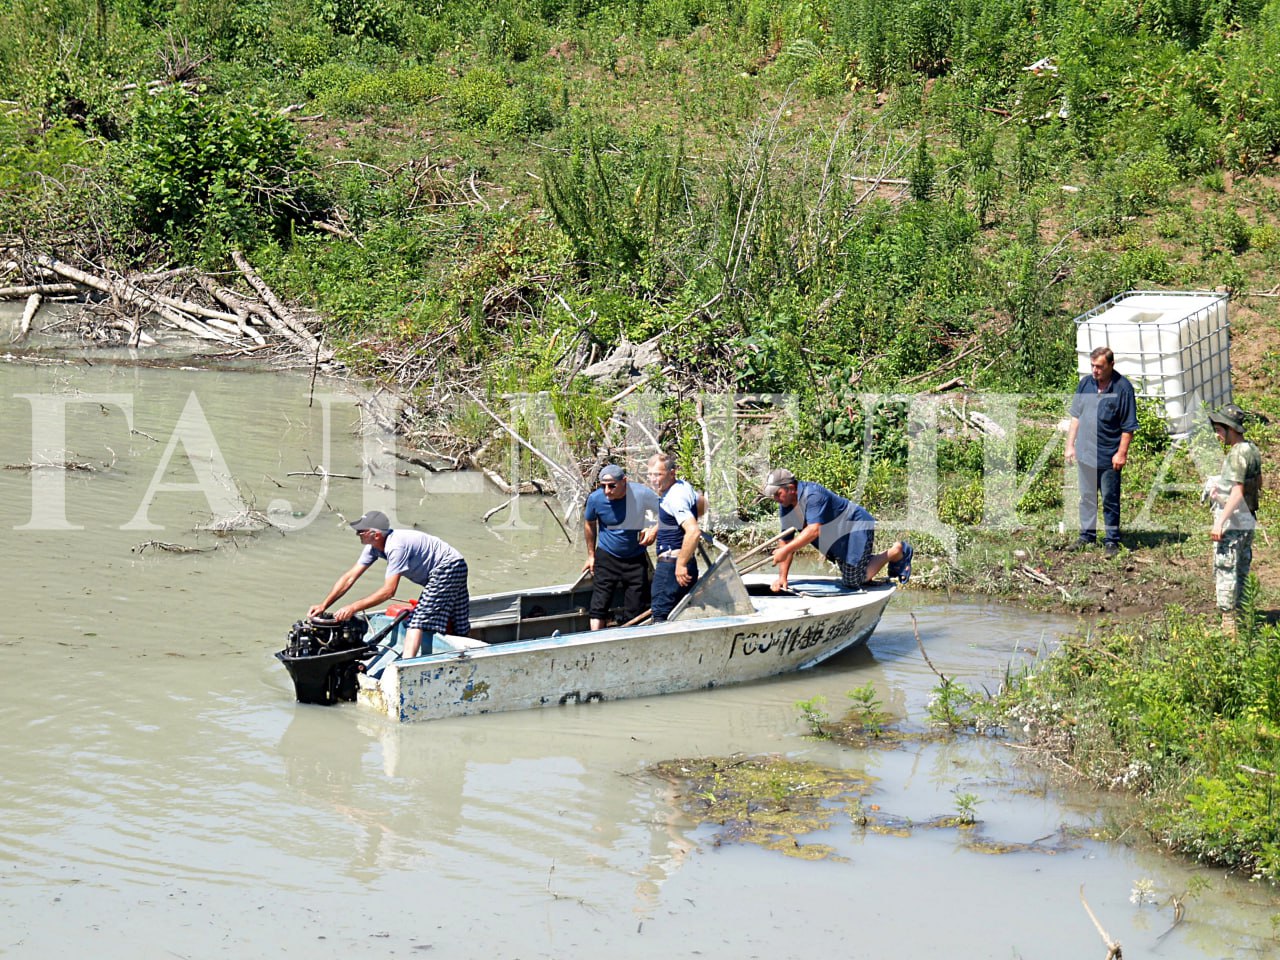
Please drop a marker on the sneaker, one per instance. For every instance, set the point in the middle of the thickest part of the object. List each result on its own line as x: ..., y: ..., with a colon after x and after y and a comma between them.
x: 900, y: 570
x: 1084, y: 543
x: 1111, y: 549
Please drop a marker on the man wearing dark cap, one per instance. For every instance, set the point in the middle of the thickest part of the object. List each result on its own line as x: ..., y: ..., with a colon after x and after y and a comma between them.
x: 444, y: 605
x: 1234, y: 493
x: 843, y: 532
x: 617, y: 521
x: 1104, y: 418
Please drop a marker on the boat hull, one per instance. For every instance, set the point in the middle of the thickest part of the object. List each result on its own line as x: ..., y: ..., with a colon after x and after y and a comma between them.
x: 784, y: 634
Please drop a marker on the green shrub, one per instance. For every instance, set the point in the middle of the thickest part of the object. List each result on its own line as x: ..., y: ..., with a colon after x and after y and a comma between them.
x: 361, y: 19
x: 478, y: 95
x: 1152, y: 437
x: 302, y: 52
x: 506, y: 35
x: 28, y: 152
x: 961, y: 504
x: 1264, y: 237
x: 484, y: 97
x: 194, y: 162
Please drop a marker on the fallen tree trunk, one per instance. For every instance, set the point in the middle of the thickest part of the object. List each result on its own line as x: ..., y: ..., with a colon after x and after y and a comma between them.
x: 28, y: 315
x: 132, y: 294
x: 301, y: 334
x: 42, y: 289
x: 236, y: 305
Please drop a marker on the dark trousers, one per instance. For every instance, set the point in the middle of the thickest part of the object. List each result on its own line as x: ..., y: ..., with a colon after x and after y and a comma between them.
x: 631, y: 574
x: 667, y: 591
x: 1095, y: 481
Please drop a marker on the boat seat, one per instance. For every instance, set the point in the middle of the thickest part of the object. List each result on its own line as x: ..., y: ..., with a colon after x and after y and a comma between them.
x: 531, y: 627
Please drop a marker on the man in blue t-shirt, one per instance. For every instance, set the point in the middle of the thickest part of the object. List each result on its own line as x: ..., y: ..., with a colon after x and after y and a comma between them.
x: 444, y: 605
x: 616, y: 522
x: 1104, y: 417
x: 843, y: 532
x: 678, y: 532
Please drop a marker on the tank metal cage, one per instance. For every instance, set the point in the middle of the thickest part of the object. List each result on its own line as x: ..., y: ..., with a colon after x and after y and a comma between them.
x: 1174, y: 346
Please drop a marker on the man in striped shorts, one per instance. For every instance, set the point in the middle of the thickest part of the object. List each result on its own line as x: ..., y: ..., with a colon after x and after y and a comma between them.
x: 843, y: 532
x: 444, y: 605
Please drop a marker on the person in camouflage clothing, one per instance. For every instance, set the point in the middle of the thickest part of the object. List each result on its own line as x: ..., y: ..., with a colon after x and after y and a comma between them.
x: 1234, y: 493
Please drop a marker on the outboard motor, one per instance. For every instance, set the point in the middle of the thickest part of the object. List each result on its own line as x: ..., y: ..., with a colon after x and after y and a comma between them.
x: 323, y: 657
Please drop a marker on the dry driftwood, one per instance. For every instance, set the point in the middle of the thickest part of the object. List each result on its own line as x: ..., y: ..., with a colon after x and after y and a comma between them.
x: 557, y: 470
x: 132, y: 294
x: 68, y: 465
x: 1113, y: 946
x: 28, y: 315
x: 297, y: 331
x: 41, y: 289
x: 242, y: 309
x: 170, y: 547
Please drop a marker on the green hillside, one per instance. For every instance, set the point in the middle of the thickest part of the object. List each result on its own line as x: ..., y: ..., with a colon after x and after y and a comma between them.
x: 794, y: 191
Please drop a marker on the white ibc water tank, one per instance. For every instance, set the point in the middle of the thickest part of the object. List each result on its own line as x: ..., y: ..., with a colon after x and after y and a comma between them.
x: 1173, y: 345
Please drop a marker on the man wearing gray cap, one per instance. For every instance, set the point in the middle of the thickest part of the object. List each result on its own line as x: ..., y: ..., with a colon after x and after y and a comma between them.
x: 444, y: 605
x: 619, y: 524
x: 1234, y: 493
x: 843, y: 532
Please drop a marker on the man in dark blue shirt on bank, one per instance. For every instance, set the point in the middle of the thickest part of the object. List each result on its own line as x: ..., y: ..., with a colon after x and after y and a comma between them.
x: 1104, y: 417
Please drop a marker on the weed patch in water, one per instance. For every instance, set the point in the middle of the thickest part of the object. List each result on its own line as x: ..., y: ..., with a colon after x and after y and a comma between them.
x: 770, y: 801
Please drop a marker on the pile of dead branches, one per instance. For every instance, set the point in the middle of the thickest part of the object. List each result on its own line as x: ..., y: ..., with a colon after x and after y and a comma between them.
x: 238, y: 309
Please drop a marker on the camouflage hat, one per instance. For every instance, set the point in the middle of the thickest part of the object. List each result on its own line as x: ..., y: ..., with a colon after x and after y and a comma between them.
x: 1229, y: 415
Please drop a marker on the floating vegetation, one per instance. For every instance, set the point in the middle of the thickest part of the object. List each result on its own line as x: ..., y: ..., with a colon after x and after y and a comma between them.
x: 774, y: 802
x: 770, y: 801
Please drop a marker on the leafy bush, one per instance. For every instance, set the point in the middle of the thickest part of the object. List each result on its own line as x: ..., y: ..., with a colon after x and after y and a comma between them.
x: 193, y: 162
x: 28, y: 153
x: 961, y: 504
x: 613, y: 209
x: 1152, y: 437
x: 362, y: 19
x: 508, y: 36
x: 485, y: 98
x: 345, y: 90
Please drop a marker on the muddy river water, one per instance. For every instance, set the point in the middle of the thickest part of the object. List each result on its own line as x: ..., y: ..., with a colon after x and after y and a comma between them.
x: 164, y: 795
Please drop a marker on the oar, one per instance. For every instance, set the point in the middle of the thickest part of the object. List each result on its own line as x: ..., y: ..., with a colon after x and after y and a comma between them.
x: 756, y: 565
x: 766, y: 559
x: 754, y: 550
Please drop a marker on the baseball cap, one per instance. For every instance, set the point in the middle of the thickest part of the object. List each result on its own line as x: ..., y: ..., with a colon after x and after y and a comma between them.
x: 373, y: 520
x: 777, y: 479
x: 612, y: 473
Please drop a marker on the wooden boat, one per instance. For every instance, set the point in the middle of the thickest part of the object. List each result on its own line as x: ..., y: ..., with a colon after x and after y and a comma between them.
x: 534, y: 648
